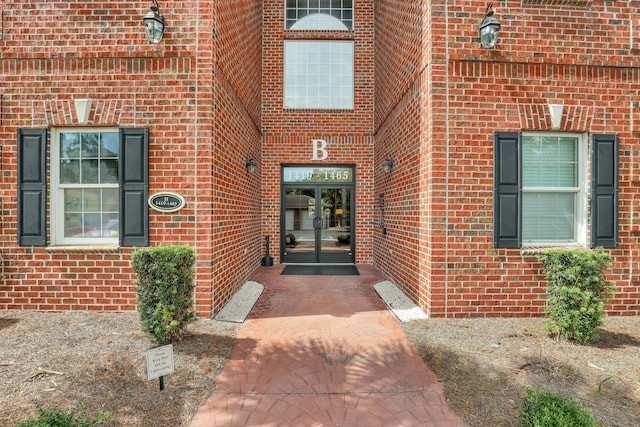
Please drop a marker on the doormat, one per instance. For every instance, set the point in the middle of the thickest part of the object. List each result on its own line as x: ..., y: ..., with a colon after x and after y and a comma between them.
x: 320, y: 270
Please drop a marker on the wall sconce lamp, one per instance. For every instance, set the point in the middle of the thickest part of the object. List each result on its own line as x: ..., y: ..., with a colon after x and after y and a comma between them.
x: 387, y: 165
x: 154, y: 24
x: 251, y: 165
x: 489, y: 28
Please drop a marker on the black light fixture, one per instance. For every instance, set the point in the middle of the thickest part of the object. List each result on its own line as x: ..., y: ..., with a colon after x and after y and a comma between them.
x: 489, y: 28
x: 387, y: 165
x: 251, y: 165
x: 154, y: 24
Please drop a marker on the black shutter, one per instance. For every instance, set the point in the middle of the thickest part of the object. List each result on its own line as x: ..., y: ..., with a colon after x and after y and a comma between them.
x: 507, y: 194
x: 32, y: 187
x: 134, y: 187
x: 604, y: 191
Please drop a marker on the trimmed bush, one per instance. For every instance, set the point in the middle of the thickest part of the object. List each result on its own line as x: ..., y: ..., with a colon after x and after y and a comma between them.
x: 59, y: 418
x: 578, y: 291
x: 344, y: 238
x: 546, y: 409
x: 164, y: 290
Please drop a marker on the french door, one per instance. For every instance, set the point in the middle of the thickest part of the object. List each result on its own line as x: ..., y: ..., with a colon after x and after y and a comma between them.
x: 317, y: 215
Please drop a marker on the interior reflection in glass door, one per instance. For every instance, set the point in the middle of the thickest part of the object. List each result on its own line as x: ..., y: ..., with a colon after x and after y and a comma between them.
x: 317, y: 211
x: 335, y: 231
x: 300, y: 212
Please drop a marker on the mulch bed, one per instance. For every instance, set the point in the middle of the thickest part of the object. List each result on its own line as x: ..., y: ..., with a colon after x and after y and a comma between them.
x: 98, y: 360
x: 485, y: 364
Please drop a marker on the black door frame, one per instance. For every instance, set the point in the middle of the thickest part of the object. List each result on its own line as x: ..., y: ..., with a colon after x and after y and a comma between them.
x: 317, y: 256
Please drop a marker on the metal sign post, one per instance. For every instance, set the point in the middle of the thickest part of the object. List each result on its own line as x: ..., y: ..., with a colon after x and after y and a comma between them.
x: 160, y: 363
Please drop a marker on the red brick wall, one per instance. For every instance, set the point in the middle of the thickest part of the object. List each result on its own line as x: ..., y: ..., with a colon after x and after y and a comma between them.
x: 54, y: 52
x: 275, y: 119
x: 584, y: 57
x: 211, y: 95
x: 403, y: 113
x: 288, y: 134
x: 235, y: 222
x: 348, y: 150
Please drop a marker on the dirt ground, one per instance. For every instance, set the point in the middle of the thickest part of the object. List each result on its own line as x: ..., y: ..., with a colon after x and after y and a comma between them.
x: 98, y: 360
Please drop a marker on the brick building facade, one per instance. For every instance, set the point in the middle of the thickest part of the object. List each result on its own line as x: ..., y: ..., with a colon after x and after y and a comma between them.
x: 319, y: 96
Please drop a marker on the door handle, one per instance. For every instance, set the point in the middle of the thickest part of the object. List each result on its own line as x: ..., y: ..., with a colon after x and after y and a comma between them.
x: 317, y: 223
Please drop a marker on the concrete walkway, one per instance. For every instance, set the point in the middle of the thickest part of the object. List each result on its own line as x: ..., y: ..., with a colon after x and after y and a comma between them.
x: 324, y: 351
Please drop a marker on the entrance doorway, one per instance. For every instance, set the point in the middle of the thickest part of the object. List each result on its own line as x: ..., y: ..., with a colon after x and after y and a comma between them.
x: 317, y: 213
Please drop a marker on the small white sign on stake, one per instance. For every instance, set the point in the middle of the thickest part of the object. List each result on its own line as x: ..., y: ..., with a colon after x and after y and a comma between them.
x: 160, y: 361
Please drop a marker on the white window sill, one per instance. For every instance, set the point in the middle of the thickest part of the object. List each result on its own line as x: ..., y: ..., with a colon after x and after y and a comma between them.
x: 84, y: 249
x: 535, y: 250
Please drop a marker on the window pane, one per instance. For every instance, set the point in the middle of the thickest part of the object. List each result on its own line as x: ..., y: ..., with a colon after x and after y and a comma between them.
x: 90, y: 213
x: 89, y: 143
x: 89, y: 173
x: 92, y: 200
x: 110, y: 200
x: 548, y: 217
x: 549, y: 161
x: 69, y: 171
x: 89, y: 161
x: 73, y: 200
x: 319, y: 15
x: 110, y: 225
x: 72, y: 225
x: 108, y: 171
x: 109, y: 144
x: 92, y: 224
x: 315, y: 69
x: 70, y: 146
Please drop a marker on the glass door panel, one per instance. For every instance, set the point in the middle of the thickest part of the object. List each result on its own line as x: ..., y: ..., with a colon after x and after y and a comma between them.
x: 335, y: 233
x: 317, y: 213
x: 299, y: 228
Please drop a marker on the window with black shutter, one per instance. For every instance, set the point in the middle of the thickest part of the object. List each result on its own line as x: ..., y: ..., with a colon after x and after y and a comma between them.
x: 99, y: 186
x: 539, y: 197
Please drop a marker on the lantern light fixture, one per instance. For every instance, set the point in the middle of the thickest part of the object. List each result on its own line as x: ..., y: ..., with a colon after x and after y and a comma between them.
x: 489, y: 28
x: 251, y: 165
x: 154, y: 24
x: 387, y: 165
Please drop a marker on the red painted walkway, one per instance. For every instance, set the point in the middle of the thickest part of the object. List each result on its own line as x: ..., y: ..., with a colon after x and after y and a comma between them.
x: 324, y: 351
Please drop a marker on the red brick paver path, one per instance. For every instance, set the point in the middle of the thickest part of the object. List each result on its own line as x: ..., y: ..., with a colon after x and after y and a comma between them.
x: 324, y: 351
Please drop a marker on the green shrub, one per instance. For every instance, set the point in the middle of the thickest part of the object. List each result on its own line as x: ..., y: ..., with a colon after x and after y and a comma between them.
x: 59, y: 418
x: 344, y: 238
x: 164, y: 290
x: 578, y: 291
x: 546, y: 409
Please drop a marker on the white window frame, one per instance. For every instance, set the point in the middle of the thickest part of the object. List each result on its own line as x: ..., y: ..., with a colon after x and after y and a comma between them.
x: 581, y: 191
x: 57, y: 192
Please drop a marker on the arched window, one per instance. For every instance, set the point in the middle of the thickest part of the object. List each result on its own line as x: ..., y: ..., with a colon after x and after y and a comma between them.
x: 319, y: 15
